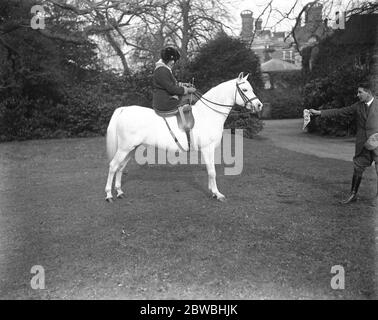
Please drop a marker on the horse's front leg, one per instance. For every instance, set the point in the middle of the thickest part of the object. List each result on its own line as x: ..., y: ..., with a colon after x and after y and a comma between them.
x: 208, y: 157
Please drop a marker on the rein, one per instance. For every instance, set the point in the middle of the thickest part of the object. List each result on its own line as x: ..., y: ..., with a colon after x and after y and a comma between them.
x: 200, y: 97
x: 242, y: 95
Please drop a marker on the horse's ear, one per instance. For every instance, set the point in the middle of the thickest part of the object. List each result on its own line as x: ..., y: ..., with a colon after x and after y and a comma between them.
x: 246, y: 77
x: 241, y: 76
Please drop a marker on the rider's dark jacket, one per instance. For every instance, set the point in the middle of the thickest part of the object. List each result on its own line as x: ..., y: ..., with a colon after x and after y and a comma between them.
x: 166, y: 90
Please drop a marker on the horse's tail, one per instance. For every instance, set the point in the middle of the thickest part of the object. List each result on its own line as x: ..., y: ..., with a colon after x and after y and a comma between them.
x: 111, y: 134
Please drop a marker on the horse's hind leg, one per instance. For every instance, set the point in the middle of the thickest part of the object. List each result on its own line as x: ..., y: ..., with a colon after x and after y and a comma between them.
x: 114, y: 166
x: 118, y: 181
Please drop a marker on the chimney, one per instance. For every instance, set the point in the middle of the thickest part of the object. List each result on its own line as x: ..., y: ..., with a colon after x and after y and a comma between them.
x: 247, y: 24
x: 259, y: 24
x: 314, y: 14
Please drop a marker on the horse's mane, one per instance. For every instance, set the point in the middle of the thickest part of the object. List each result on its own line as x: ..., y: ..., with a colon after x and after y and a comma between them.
x: 210, y: 91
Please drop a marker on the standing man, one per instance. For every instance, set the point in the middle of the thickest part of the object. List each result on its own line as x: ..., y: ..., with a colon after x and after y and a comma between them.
x: 366, y: 114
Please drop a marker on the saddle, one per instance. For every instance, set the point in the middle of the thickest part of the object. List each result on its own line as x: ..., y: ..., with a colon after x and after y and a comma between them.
x: 185, y: 121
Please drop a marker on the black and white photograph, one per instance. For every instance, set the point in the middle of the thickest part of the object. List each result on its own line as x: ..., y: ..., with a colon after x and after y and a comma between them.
x: 190, y: 151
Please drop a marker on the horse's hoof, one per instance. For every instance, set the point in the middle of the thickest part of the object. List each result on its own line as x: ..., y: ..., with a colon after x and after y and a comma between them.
x: 222, y: 199
x: 121, y: 196
x: 219, y: 198
x: 109, y: 200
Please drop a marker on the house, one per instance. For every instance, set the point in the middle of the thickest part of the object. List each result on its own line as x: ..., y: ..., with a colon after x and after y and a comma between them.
x: 280, y: 45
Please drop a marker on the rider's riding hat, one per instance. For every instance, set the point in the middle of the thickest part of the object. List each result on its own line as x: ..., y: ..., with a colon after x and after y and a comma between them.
x: 169, y: 53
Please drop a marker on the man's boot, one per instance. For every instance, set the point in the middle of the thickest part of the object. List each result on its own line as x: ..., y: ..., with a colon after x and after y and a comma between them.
x: 376, y: 171
x: 356, y: 181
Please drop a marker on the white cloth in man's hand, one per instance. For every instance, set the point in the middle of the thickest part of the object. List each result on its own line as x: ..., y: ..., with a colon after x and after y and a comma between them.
x: 306, y: 118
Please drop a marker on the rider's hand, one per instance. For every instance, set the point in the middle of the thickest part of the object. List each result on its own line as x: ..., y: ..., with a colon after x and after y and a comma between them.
x: 191, y: 90
x: 315, y: 112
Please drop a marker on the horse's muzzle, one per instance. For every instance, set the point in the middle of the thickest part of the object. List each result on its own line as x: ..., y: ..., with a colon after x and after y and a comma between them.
x: 255, y: 108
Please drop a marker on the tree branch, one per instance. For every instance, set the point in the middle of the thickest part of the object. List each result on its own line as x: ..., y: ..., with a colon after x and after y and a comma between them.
x: 297, y: 22
x: 269, y: 5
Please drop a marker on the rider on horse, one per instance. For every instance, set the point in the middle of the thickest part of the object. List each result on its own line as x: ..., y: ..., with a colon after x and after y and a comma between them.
x: 168, y: 94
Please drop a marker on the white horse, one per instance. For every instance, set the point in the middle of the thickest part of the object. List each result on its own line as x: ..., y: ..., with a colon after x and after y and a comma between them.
x: 132, y: 126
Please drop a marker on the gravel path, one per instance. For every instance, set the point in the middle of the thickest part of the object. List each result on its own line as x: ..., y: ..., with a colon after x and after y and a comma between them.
x: 288, y: 134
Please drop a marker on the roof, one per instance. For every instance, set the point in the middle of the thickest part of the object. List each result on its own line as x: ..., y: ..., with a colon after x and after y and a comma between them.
x: 277, y: 65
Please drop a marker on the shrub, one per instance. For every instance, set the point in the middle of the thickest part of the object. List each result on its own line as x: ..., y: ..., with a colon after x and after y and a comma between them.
x: 82, y: 110
x: 22, y: 118
x: 342, y: 62
x: 222, y: 59
x: 285, y: 104
x: 334, y: 91
x: 250, y: 123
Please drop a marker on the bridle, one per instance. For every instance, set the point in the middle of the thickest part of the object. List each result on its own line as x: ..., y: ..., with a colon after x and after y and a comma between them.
x: 243, y: 96
x: 238, y: 90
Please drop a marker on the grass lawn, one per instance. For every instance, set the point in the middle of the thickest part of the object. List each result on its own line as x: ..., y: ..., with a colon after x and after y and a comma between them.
x: 277, y: 236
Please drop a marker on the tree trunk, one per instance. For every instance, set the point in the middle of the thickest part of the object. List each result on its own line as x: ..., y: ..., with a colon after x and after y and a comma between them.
x: 185, y: 7
x: 117, y: 49
x: 113, y: 42
x: 374, y: 66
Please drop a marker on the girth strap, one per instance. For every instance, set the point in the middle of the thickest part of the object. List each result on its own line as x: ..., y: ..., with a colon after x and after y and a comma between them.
x: 188, y: 138
x: 176, y: 140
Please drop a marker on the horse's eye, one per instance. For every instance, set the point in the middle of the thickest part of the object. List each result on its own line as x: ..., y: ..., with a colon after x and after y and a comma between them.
x: 245, y: 90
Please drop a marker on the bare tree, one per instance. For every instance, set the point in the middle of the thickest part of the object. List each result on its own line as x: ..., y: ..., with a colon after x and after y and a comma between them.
x: 183, y: 23
x: 296, y: 17
x: 103, y: 19
x: 298, y: 20
x: 267, y: 7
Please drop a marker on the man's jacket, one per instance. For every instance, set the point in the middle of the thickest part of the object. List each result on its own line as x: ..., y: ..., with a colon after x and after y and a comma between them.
x: 366, y: 117
x: 166, y: 90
